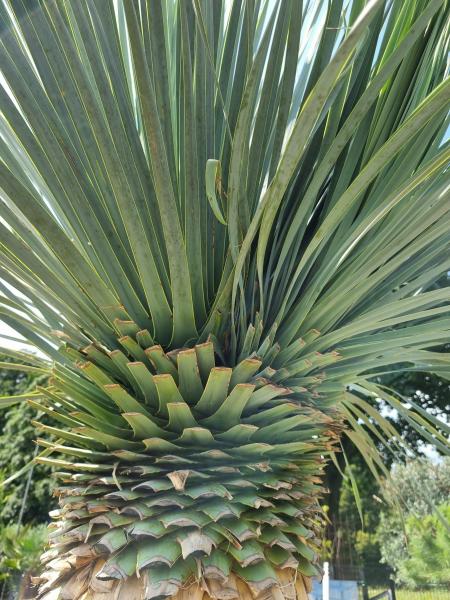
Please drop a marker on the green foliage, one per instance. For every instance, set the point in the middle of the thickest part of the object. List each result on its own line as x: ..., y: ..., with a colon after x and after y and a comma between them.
x: 432, y: 393
x: 420, y: 486
x: 367, y: 548
x: 326, y: 547
x: 188, y: 175
x: 440, y: 593
x: 429, y: 390
x: 20, y: 551
x: 322, y: 152
x: 357, y: 542
x: 369, y: 494
x: 391, y: 517
x: 16, y: 451
x: 12, y: 381
x: 428, y: 548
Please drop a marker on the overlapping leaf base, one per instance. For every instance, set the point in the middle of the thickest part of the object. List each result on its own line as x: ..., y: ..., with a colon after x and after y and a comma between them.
x: 285, y: 584
x: 178, y: 472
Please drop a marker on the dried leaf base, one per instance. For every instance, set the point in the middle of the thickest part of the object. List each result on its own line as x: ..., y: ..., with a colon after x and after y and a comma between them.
x: 291, y: 585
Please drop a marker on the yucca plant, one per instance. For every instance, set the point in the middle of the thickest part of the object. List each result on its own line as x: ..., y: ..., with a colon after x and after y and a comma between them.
x: 221, y: 225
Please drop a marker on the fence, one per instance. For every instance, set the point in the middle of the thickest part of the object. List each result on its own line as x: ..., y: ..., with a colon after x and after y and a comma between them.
x: 350, y: 590
x: 374, y: 583
x: 425, y: 593
x: 388, y: 594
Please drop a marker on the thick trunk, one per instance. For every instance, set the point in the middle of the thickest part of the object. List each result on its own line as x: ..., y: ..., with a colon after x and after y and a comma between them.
x: 190, y: 478
x: 291, y: 586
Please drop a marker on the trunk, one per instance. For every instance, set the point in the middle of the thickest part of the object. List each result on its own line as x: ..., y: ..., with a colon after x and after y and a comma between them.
x: 292, y: 586
x: 180, y: 476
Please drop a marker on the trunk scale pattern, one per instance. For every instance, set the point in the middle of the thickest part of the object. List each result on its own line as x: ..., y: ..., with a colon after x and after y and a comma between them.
x: 180, y: 475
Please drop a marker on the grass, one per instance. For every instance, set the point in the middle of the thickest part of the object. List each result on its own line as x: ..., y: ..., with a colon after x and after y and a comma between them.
x: 432, y: 594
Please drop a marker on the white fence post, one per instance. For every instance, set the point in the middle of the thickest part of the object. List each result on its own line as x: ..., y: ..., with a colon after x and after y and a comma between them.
x: 326, y: 581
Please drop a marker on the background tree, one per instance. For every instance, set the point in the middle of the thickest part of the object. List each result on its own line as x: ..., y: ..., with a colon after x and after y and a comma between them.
x: 17, y: 451
x: 25, y: 501
x: 427, y: 390
x: 421, y: 486
x: 428, y: 549
x: 382, y: 526
x: 353, y: 531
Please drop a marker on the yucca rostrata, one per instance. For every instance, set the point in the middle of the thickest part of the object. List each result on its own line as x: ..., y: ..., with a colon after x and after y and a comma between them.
x: 222, y: 223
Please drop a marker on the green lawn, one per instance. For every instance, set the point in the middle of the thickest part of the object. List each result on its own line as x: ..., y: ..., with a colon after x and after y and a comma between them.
x: 433, y: 594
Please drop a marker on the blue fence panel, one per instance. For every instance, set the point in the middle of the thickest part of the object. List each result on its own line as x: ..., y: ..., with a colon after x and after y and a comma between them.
x: 339, y: 590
